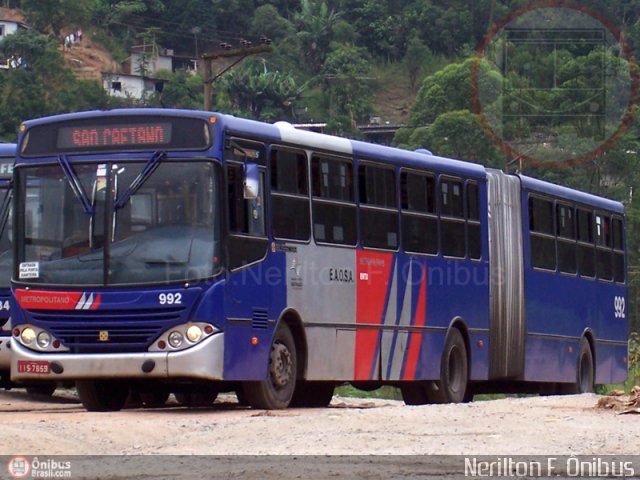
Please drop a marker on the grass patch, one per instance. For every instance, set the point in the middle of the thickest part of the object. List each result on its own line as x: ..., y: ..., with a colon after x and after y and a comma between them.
x: 386, y: 392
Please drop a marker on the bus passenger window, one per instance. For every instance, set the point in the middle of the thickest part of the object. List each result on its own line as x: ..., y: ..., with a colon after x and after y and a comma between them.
x: 334, y: 208
x: 618, y: 250
x: 452, y: 224
x: 542, y: 238
x: 586, y: 250
x: 419, y: 222
x: 604, y: 257
x: 473, y: 221
x: 290, y: 216
x: 565, y: 228
x: 378, y: 207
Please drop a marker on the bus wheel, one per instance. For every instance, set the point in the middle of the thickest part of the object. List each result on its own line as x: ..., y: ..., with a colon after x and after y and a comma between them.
x: 454, y: 374
x: 277, y: 390
x: 41, y: 390
x: 586, y: 372
x: 196, y: 399
x: 312, y: 394
x: 102, y: 395
x: 419, y: 392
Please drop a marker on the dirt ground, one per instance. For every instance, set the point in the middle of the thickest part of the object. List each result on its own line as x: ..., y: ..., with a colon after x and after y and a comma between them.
x: 560, y: 425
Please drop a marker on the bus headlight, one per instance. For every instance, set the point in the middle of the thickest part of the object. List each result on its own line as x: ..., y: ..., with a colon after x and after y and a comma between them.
x: 44, y: 339
x: 194, y: 333
x: 28, y: 335
x: 175, y: 339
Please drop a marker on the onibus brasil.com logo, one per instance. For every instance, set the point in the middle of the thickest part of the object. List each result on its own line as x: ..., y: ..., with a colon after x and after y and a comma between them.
x: 22, y: 467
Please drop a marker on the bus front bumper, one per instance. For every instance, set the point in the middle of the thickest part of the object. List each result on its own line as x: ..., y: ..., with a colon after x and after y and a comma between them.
x: 202, y: 361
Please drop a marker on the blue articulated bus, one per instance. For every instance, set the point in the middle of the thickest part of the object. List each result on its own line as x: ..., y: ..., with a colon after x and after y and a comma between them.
x: 7, y: 157
x: 192, y: 252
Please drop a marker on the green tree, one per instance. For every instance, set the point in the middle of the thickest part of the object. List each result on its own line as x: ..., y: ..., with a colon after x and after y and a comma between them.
x: 259, y: 92
x: 346, y: 73
x: 44, y: 87
x: 315, y: 23
x: 459, y: 135
x: 55, y: 14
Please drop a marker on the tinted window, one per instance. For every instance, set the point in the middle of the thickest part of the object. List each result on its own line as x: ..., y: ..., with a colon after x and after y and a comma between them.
x: 377, y: 189
x: 540, y: 215
x: 451, y: 199
x: 290, y: 213
x: 377, y: 186
x: 334, y: 210
x: 418, y: 192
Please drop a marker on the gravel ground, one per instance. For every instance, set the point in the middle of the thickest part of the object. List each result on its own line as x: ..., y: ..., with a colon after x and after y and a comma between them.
x: 560, y: 425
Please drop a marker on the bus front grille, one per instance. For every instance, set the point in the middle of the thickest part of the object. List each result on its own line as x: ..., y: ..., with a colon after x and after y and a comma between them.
x: 111, y: 331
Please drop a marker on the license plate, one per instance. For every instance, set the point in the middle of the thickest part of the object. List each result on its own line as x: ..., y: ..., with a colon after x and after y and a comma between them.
x: 33, y: 366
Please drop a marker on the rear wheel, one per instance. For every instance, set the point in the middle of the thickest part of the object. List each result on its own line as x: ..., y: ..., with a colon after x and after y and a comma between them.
x: 312, y: 394
x: 276, y: 391
x: 454, y: 372
x: 419, y: 392
x: 102, y: 395
x: 41, y: 390
x: 586, y: 372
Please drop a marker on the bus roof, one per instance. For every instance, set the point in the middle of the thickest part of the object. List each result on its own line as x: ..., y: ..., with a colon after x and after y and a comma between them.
x: 566, y: 193
x: 287, y: 133
x: 7, y: 149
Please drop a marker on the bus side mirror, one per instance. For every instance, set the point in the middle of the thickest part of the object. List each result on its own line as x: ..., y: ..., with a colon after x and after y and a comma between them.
x: 251, y: 181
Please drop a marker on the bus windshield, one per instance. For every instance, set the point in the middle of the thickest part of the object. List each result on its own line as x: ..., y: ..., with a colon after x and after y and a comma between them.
x: 119, y: 223
x: 6, y: 247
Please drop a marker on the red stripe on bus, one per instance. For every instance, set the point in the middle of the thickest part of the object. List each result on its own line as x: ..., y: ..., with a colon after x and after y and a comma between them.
x: 373, y: 272
x: 43, y: 300
x: 415, y: 339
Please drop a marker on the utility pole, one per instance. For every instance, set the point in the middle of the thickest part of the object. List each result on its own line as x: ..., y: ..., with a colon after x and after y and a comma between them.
x: 238, y: 54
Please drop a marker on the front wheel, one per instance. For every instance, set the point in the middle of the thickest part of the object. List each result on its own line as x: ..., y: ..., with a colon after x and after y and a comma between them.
x: 102, y: 395
x: 276, y: 391
x: 454, y: 371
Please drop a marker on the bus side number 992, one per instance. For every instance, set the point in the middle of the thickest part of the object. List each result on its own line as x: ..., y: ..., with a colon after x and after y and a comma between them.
x: 170, y: 298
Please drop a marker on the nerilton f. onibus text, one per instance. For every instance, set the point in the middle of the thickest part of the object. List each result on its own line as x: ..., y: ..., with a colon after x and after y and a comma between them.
x: 549, y: 467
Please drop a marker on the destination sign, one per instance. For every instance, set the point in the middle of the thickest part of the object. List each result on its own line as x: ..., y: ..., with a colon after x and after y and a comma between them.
x: 123, y: 133
x: 116, y: 135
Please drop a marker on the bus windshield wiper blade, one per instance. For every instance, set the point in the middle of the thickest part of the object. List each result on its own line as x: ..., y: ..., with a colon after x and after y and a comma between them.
x: 142, y: 177
x: 76, y: 186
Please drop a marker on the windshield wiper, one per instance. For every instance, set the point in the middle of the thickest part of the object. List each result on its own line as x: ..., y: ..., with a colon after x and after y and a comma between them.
x: 142, y: 177
x: 76, y: 186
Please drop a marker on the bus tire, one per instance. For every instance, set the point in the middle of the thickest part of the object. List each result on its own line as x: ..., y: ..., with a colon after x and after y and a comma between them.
x: 585, y: 373
x: 454, y: 370
x: 102, y: 395
x: 419, y: 392
x: 312, y: 394
x: 196, y: 399
x: 41, y: 389
x: 276, y: 391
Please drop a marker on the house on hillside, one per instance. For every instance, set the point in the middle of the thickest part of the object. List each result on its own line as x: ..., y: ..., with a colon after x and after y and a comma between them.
x: 137, y: 80
x: 123, y: 85
x: 9, y: 26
